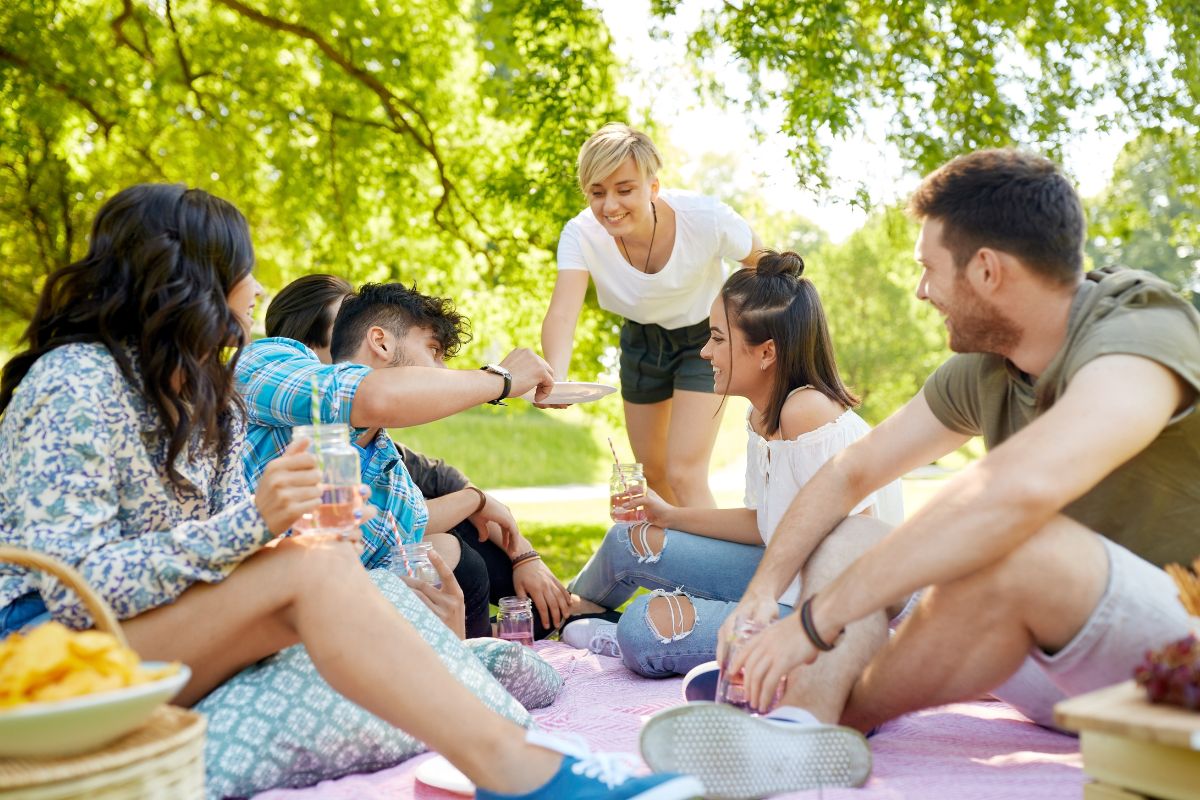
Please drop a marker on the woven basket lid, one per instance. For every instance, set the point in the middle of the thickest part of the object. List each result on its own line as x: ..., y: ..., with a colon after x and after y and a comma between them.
x: 169, y: 727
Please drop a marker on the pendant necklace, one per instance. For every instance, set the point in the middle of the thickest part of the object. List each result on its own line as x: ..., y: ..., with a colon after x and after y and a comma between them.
x: 654, y: 230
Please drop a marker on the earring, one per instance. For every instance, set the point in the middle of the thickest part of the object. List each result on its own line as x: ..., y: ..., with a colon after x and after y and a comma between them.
x: 762, y: 367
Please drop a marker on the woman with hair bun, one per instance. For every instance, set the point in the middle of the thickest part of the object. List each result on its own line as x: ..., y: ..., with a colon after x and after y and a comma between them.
x: 768, y: 342
x: 655, y: 256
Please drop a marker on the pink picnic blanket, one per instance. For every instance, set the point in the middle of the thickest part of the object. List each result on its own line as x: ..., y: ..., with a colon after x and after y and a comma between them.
x: 982, y: 751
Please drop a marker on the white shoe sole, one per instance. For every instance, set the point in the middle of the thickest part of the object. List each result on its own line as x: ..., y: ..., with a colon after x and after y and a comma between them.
x: 740, y: 757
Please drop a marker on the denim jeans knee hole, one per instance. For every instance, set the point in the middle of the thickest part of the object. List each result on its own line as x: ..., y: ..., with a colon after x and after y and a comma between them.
x: 675, y: 605
x: 645, y: 554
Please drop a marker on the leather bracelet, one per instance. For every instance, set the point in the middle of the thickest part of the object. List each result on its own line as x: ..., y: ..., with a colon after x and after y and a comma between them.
x: 522, y: 562
x: 528, y: 554
x: 482, y: 500
x: 810, y: 628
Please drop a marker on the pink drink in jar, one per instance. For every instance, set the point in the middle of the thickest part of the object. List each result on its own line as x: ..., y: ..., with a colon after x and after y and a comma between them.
x: 627, y: 483
x: 731, y: 689
x: 514, y: 622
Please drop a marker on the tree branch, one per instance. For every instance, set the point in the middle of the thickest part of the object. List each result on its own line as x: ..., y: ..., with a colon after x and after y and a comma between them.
x: 189, y: 77
x: 397, y: 109
x: 58, y: 86
x: 118, y: 28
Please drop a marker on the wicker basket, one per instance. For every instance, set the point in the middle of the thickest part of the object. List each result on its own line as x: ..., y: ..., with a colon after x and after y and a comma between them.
x: 163, y: 759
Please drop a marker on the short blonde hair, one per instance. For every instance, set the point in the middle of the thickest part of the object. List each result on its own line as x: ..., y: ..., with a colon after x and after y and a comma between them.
x: 608, y: 148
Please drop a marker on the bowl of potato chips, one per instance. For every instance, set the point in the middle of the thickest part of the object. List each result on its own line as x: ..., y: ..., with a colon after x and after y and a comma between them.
x: 64, y: 692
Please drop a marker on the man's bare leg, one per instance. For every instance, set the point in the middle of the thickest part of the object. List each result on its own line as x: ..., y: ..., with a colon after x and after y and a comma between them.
x: 968, y: 636
x: 824, y: 686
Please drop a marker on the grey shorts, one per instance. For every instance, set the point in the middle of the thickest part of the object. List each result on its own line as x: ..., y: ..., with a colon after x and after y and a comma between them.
x: 657, y: 361
x: 1139, y: 610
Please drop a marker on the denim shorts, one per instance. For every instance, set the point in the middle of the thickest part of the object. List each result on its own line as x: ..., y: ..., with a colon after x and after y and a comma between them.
x: 24, y: 612
x: 657, y: 361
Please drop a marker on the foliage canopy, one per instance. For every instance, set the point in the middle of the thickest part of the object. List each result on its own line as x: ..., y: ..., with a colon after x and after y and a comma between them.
x: 958, y: 75
x: 425, y: 140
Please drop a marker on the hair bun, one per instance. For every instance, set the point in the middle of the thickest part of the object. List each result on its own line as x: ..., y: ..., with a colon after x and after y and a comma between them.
x: 785, y: 263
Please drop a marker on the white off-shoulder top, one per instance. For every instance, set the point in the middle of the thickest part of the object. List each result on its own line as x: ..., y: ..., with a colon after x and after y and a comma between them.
x: 776, y: 469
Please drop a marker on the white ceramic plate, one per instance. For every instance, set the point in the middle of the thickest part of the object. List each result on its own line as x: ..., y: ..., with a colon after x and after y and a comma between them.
x: 569, y: 392
x: 441, y: 774
x: 66, y: 727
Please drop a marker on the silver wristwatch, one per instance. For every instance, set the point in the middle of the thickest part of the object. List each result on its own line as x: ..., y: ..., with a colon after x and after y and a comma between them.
x: 496, y: 369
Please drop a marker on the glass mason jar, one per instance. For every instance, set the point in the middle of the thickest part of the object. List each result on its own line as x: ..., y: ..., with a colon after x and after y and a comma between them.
x: 340, y: 479
x: 627, y: 482
x: 413, y: 560
x: 514, y: 622
x: 731, y: 688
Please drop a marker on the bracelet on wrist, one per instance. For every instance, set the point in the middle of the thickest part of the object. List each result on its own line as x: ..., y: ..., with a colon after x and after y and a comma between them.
x: 482, y: 500
x: 528, y: 554
x: 810, y: 628
x: 522, y: 562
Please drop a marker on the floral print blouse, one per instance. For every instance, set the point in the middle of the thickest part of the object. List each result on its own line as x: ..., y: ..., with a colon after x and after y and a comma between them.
x: 84, y: 480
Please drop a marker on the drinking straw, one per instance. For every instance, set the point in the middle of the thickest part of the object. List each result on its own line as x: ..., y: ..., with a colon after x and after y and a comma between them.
x: 316, y: 419
x: 397, y: 542
x: 617, y: 461
x: 316, y: 401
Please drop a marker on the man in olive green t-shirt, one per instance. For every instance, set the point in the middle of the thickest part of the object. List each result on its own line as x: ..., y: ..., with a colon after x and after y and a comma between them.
x: 1041, y: 562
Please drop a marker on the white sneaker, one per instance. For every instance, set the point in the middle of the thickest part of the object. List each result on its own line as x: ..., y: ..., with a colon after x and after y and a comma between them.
x: 738, y: 756
x: 594, y: 634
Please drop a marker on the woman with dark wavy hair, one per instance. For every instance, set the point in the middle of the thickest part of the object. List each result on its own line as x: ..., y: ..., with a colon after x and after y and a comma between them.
x: 121, y: 438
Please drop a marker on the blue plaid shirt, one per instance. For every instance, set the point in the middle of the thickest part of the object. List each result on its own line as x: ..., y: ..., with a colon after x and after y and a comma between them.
x: 275, y: 377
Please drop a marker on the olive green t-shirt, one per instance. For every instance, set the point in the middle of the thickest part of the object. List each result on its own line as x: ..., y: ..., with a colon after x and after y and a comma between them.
x: 1151, y: 503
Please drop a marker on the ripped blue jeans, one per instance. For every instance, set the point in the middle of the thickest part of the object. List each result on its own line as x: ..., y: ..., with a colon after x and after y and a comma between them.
x: 710, y: 574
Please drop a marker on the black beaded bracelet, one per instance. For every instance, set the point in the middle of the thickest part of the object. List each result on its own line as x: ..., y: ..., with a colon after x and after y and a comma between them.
x: 810, y: 628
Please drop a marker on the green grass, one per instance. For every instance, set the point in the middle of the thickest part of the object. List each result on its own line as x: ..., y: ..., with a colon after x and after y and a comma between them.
x: 519, y: 445
x: 514, y: 446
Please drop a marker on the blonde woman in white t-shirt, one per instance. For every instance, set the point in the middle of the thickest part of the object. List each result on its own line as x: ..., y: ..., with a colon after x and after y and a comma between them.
x: 655, y: 256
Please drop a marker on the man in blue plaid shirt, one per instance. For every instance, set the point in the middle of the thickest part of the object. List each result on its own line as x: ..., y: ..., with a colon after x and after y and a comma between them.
x: 275, y: 376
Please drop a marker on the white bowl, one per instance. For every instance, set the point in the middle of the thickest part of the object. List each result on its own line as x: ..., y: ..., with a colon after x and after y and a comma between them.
x: 79, y: 724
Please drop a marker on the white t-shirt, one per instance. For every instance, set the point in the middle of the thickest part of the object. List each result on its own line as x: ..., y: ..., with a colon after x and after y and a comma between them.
x: 777, y: 469
x: 678, y: 295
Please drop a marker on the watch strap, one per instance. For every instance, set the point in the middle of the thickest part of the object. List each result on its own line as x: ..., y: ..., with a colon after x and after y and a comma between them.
x: 503, y: 373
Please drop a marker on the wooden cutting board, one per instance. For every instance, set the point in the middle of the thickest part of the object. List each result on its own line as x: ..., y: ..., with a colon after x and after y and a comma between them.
x: 1124, y: 710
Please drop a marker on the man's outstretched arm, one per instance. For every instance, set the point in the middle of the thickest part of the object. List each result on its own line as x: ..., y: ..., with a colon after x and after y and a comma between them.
x: 400, y: 397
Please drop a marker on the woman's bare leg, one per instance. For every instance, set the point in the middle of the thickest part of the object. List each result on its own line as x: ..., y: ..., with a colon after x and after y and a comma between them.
x: 695, y: 418
x: 647, y: 424
x: 316, y: 592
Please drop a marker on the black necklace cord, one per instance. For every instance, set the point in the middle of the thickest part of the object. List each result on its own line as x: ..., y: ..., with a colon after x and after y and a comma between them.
x: 653, y: 231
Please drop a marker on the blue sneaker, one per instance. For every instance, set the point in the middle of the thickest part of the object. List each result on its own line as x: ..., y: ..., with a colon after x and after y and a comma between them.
x: 600, y: 776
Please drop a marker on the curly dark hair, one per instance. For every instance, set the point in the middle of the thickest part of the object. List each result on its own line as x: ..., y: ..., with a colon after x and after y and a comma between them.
x: 161, y: 261
x: 396, y: 308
